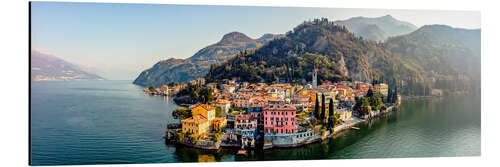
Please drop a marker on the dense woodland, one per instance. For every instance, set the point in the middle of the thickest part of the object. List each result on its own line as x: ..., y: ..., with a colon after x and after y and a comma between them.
x: 194, y: 93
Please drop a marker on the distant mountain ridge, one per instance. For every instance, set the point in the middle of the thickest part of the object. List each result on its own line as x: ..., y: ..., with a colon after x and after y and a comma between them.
x: 183, y: 70
x: 450, y: 57
x: 378, y: 28
x: 46, y: 67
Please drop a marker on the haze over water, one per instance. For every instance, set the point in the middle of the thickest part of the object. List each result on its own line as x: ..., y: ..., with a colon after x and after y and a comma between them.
x: 95, y: 122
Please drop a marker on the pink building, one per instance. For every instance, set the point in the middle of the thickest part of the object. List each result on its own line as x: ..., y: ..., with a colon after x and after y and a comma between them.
x: 279, y: 119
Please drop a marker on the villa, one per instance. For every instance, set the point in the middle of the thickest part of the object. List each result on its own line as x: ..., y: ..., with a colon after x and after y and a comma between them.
x: 279, y: 119
x: 196, y: 125
x: 206, y: 111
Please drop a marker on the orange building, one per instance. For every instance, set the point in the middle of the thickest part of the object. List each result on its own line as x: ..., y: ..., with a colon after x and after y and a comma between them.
x: 206, y: 111
x: 195, y: 125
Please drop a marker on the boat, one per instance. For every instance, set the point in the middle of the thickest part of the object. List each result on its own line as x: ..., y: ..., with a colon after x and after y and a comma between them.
x: 355, y: 128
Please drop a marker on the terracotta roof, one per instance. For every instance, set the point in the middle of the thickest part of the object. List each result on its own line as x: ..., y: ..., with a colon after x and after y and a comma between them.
x: 219, y: 118
x: 280, y: 107
x: 206, y: 107
x: 257, y: 105
x: 198, y: 119
x: 243, y: 117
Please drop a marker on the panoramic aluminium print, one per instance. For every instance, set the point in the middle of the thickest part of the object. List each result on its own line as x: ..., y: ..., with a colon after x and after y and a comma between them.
x: 115, y: 83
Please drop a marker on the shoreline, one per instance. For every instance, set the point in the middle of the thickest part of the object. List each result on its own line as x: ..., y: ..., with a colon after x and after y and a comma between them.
x: 339, y: 129
x: 328, y: 135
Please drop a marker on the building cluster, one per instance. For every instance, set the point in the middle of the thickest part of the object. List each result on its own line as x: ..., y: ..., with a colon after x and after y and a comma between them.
x: 253, y: 112
x: 165, y: 90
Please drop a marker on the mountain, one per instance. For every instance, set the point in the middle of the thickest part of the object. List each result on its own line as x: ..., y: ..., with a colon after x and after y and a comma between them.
x: 450, y: 56
x: 183, y: 70
x: 378, y: 28
x: 46, y: 67
x: 337, y: 54
x: 430, y: 57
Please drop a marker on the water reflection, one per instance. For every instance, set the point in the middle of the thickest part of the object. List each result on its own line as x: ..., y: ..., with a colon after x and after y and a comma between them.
x: 166, y: 99
x: 206, y: 158
x: 188, y: 154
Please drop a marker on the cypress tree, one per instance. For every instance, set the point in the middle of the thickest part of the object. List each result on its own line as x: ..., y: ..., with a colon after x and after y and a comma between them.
x: 369, y: 93
x: 395, y: 96
x: 316, y: 107
x: 323, y: 107
x: 331, y: 109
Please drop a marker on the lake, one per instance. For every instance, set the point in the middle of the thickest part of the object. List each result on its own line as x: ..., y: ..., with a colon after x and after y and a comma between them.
x: 109, y: 122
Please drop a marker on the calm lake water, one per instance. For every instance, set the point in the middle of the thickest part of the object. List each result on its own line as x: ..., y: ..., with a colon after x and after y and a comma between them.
x: 109, y: 122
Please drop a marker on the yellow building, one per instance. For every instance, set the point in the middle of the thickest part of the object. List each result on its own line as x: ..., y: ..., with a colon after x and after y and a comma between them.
x: 303, y: 92
x: 345, y: 115
x: 312, y: 95
x: 219, y: 123
x: 196, y: 125
x: 382, y: 89
x: 206, y: 111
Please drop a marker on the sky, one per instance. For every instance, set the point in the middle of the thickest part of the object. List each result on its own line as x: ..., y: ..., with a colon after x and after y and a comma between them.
x: 118, y: 41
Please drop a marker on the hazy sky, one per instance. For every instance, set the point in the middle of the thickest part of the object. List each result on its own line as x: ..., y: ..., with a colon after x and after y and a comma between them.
x: 118, y: 41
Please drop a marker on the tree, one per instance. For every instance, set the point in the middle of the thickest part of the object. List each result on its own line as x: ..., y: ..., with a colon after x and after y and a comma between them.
x: 331, y: 123
x: 389, y: 94
x: 337, y: 119
x: 376, y: 101
x: 357, y: 105
x: 331, y: 109
x: 365, y: 107
x: 323, y: 108
x: 316, y: 107
x: 181, y: 113
x: 180, y: 136
x: 369, y: 93
x: 207, y: 95
x: 152, y: 88
x: 395, y: 97
x: 218, y: 111
x: 216, y: 137
x: 173, y: 83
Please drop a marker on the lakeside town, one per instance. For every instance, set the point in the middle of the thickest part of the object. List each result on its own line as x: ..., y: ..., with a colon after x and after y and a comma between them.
x: 260, y: 116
